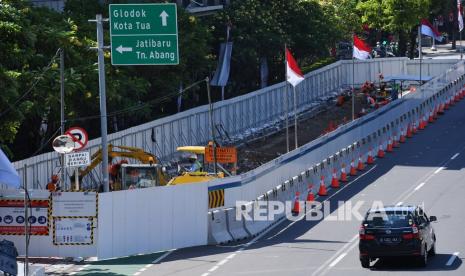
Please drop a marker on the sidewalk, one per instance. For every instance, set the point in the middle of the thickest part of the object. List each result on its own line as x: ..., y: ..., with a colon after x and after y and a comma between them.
x: 444, y: 51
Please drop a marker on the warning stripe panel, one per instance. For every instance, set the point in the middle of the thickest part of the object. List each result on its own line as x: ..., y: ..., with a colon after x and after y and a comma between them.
x: 215, y: 199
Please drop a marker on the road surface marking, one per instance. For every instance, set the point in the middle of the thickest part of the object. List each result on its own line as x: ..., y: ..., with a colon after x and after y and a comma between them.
x: 222, y: 262
x: 231, y: 256
x: 149, y: 265
x: 137, y: 273
x: 399, y: 203
x: 163, y: 256
x: 452, y: 258
x: 337, y: 259
x: 419, y: 186
x: 438, y: 170
x: 342, y: 249
x: 213, y: 268
x: 320, y: 203
x: 205, y: 274
x: 455, y: 156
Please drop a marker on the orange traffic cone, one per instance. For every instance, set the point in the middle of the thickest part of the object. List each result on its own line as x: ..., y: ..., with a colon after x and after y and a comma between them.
x: 435, y: 112
x: 380, y: 151
x: 395, y: 143
x: 402, y: 136
x: 370, y: 159
x: 431, y: 116
x: 462, y: 94
x: 389, y: 146
x: 441, y: 108
x: 343, y: 173
x: 296, y: 207
x: 360, y: 166
x: 421, y: 125
x: 415, y: 128
x: 409, y: 131
x: 310, y: 195
x: 335, y: 180
x: 353, y: 170
x: 322, y: 191
x: 425, y: 121
x: 446, y: 106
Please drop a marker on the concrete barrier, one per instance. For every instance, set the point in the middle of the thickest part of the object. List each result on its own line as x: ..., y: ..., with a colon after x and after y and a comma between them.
x: 235, y: 227
x: 217, y: 228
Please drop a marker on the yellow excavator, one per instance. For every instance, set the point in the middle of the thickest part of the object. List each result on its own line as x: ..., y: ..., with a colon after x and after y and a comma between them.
x: 149, y: 173
x: 125, y: 176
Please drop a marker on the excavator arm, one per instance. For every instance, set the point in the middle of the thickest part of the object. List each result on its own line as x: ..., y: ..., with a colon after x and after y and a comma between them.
x: 124, y: 151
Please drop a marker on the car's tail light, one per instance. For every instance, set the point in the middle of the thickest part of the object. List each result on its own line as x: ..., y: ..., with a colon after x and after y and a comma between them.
x: 363, y: 235
x: 408, y: 236
x: 414, y: 235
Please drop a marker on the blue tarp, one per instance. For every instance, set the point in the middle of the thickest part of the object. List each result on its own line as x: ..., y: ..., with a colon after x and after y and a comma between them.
x: 8, y: 174
x: 406, y: 78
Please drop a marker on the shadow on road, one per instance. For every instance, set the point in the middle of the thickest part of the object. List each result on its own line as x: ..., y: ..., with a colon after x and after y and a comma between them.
x: 436, y: 263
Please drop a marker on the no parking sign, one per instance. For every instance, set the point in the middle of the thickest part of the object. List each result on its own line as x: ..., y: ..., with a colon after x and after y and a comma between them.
x: 79, y: 136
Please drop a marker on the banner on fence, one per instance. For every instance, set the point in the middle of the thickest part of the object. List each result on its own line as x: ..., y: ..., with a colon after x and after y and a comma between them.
x: 12, y: 217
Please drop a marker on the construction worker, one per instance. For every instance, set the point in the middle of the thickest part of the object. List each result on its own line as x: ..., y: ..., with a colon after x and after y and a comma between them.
x: 52, y: 185
x: 196, y: 166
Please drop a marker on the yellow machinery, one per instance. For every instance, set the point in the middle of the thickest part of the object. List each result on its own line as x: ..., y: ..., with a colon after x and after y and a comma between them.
x: 125, y: 176
x: 148, y: 174
x: 193, y: 177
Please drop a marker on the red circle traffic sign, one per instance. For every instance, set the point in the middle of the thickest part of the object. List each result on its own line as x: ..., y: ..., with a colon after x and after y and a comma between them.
x: 79, y: 136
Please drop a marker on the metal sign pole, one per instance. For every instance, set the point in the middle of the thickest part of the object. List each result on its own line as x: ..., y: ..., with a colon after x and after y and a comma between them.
x: 103, y: 99
x: 62, y: 112
x: 26, y: 219
x: 210, y: 112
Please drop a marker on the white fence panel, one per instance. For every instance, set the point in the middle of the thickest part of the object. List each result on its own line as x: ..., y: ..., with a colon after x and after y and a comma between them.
x: 236, y: 115
x: 152, y: 219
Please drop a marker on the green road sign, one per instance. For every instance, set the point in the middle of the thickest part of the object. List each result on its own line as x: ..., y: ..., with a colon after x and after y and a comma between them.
x: 144, y: 34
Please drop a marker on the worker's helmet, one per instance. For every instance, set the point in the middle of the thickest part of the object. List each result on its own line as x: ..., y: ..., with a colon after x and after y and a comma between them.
x: 54, y: 178
x: 192, y: 156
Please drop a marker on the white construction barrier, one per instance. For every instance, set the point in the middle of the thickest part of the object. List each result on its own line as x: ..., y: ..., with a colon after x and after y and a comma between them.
x: 218, y: 228
x: 235, y: 227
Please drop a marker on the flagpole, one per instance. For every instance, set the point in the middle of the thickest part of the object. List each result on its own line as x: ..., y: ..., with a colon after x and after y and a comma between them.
x: 295, y: 118
x: 420, y: 55
x: 460, y: 44
x: 286, y: 99
x: 353, y: 79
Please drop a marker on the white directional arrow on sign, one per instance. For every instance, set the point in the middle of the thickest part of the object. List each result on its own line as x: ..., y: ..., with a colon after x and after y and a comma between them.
x: 122, y: 49
x: 163, y: 16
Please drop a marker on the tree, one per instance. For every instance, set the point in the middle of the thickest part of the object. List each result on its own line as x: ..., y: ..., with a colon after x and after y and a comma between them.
x: 400, y: 17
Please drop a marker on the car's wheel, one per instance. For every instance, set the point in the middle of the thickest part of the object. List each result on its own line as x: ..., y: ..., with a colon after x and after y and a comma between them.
x: 365, y: 262
x: 423, y: 259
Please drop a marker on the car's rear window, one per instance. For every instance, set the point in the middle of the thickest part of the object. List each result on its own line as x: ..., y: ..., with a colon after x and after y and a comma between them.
x: 389, y: 219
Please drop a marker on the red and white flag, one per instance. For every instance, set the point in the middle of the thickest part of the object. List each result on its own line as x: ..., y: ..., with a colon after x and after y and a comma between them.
x: 459, y: 14
x: 293, y: 74
x: 429, y: 30
x: 361, y: 49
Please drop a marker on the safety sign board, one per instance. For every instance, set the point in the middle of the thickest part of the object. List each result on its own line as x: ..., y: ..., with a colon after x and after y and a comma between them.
x: 77, y: 159
x: 80, y: 137
x: 223, y: 155
x: 12, y: 217
x: 73, y: 231
x: 74, y: 204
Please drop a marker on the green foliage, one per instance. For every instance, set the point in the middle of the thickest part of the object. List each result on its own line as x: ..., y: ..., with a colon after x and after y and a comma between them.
x: 262, y: 28
x: 31, y: 37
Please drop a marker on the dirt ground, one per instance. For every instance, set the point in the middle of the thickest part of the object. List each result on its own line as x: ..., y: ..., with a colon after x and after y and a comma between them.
x: 262, y: 150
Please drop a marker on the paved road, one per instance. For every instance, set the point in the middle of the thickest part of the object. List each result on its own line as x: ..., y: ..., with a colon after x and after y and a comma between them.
x: 427, y: 170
